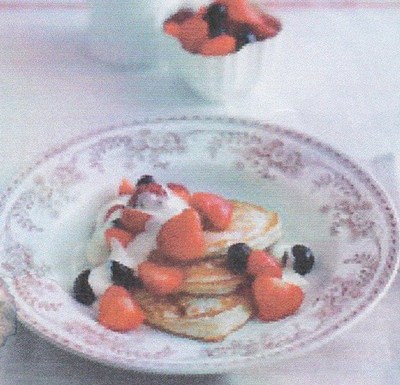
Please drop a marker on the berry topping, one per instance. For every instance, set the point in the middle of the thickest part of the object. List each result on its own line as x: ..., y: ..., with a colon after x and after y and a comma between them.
x: 122, y: 236
x: 261, y: 262
x: 124, y: 276
x: 222, y: 27
x: 155, y: 189
x: 145, y: 179
x: 172, y: 28
x: 215, y: 211
x: 219, y: 46
x: 181, y: 238
x: 268, y: 27
x: 126, y: 187
x: 117, y: 223
x: 180, y: 16
x: 133, y: 220
x: 193, y: 33
x: 82, y: 291
x: 244, y: 36
x: 238, y: 255
x: 303, y: 259
x: 237, y: 9
x: 118, y: 311
x: 112, y: 210
x: 216, y: 17
x: 276, y: 299
x: 180, y: 190
x: 160, y: 279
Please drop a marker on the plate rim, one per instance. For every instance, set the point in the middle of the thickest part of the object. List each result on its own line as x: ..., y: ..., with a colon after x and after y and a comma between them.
x: 340, y: 156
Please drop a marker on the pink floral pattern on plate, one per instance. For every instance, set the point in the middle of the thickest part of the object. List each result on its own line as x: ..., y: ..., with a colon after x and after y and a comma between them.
x: 323, y: 197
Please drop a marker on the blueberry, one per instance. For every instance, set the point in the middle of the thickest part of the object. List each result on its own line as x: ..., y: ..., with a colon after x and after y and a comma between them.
x: 216, y: 17
x: 244, y: 36
x: 216, y: 31
x: 145, y: 179
x: 122, y: 275
x: 303, y: 259
x: 238, y: 255
x: 82, y: 291
x: 117, y: 223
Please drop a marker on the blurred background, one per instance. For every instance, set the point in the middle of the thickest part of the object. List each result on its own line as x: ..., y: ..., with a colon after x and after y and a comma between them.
x: 69, y: 66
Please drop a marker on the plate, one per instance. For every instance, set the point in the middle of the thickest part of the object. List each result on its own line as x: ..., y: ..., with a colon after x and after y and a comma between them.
x: 325, y: 200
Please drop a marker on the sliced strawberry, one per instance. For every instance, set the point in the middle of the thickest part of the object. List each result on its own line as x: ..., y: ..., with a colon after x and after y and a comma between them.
x: 265, y: 26
x: 201, y: 11
x: 180, y: 190
x: 133, y: 220
x: 172, y: 28
x: 160, y: 279
x: 126, y: 187
x: 181, y: 238
x: 276, y: 299
x: 261, y: 262
x: 152, y: 188
x: 238, y: 10
x: 111, y: 210
x: 219, y: 46
x: 215, y: 211
x: 118, y: 311
x: 193, y: 33
x: 122, y: 236
x: 180, y: 16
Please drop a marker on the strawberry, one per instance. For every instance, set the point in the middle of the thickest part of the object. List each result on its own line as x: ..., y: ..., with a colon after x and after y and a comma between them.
x: 180, y: 16
x: 111, y: 210
x: 133, y: 220
x: 160, y: 279
x: 261, y: 262
x: 275, y: 298
x: 219, y: 46
x: 238, y: 10
x: 122, y: 236
x: 126, y: 187
x: 172, y: 28
x: 118, y: 311
x: 266, y: 26
x: 201, y: 12
x: 215, y: 211
x: 193, y: 33
x: 180, y: 190
x: 241, y: 11
x: 181, y: 238
x: 152, y: 188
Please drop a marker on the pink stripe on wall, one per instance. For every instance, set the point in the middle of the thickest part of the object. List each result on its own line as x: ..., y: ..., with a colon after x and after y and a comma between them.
x: 345, y: 4
x: 281, y: 4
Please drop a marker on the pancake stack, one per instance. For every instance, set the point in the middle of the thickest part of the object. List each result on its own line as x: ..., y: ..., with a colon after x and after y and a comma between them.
x: 213, y: 300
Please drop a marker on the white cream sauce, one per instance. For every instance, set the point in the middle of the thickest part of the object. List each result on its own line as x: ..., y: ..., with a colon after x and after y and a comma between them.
x: 160, y: 209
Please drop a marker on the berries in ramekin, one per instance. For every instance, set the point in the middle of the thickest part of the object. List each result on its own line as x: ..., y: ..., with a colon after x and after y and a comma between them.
x: 221, y: 28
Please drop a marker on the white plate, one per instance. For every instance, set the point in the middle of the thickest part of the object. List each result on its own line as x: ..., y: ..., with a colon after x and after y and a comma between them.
x: 324, y: 199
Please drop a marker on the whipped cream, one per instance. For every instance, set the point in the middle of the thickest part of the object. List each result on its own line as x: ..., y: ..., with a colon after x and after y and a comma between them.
x: 160, y: 209
x: 96, y: 250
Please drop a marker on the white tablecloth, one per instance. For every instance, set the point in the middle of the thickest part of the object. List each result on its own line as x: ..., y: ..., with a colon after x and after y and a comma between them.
x: 335, y: 76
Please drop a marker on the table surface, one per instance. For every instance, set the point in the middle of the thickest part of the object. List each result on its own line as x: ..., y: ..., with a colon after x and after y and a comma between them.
x: 334, y: 75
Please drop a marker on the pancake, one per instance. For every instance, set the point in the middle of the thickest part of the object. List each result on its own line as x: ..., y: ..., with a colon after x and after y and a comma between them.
x: 210, y: 277
x: 252, y: 224
x: 208, y: 318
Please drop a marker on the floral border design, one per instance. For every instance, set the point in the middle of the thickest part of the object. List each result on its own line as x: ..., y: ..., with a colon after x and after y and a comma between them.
x: 269, y: 158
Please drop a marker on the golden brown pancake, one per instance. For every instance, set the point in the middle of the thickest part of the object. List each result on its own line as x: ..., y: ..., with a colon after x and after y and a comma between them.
x: 208, y: 318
